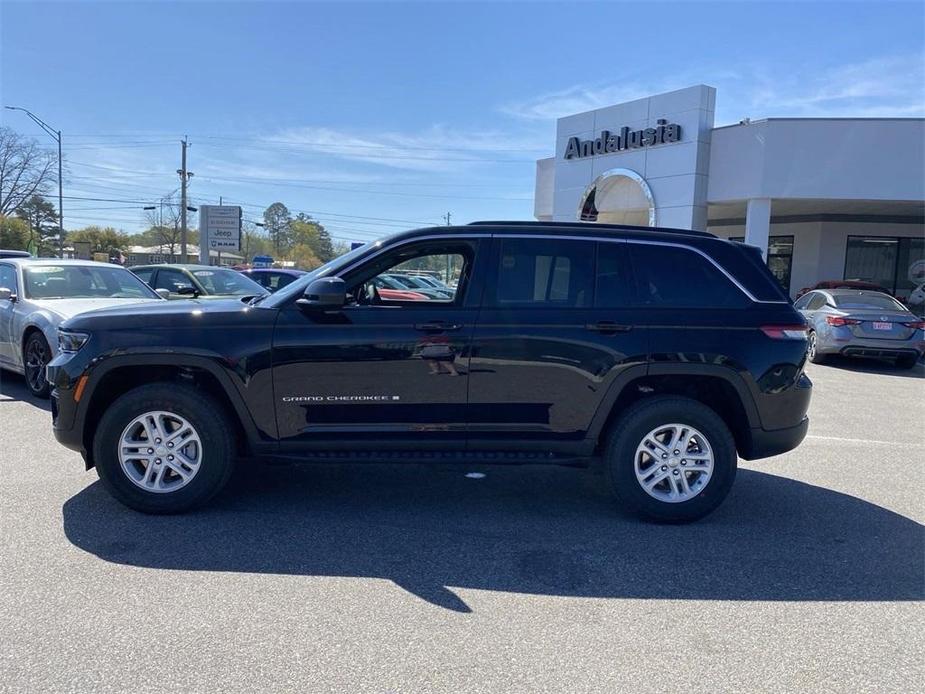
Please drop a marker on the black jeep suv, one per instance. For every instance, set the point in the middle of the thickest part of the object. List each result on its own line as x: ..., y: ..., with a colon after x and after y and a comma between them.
x: 660, y: 354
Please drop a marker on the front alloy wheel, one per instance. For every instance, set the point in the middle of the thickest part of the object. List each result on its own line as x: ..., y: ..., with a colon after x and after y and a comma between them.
x: 160, y: 451
x: 36, y: 356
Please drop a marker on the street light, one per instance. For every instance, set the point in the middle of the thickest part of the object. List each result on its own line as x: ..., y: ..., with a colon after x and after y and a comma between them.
x: 56, y: 134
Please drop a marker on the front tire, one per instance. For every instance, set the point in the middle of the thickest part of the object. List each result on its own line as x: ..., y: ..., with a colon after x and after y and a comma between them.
x: 35, y: 357
x: 671, y: 459
x: 164, y: 448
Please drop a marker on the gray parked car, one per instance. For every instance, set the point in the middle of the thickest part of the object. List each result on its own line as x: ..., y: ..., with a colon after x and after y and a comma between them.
x: 861, y: 323
x: 36, y: 294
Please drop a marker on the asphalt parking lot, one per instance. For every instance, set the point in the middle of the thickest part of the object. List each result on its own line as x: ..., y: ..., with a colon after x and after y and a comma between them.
x: 406, y: 578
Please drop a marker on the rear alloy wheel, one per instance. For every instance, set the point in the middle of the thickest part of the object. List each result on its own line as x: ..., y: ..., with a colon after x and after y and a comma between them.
x: 812, y: 351
x: 164, y: 448
x: 36, y: 356
x: 671, y: 459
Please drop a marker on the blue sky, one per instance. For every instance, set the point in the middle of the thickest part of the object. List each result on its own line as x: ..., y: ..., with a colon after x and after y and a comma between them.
x: 379, y: 116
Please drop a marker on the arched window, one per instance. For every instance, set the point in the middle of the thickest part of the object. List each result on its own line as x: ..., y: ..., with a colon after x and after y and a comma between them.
x: 618, y: 196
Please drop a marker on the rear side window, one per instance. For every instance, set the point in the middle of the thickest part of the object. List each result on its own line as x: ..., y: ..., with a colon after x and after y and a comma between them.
x: 612, y: 286
x: 545, y: 274
x: 674, y: 277
x: 817, y: 302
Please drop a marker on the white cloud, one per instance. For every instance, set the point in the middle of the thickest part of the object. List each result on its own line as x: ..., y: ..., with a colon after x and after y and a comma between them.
x: 878, y: 87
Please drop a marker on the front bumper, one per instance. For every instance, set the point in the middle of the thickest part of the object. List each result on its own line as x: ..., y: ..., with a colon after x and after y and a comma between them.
x: 765, y: 443
x: 63, y: 373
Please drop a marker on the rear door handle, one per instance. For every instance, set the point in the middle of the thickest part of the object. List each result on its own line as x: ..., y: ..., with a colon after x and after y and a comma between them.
x: 436, y: 327
x: 608, y: 327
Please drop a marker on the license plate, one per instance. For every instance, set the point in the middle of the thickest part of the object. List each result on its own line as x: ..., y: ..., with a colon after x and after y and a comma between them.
x: 882, y: 326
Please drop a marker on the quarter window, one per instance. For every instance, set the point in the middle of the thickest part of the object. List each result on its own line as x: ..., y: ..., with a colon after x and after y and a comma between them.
x: 674, y: 277
x: 545, y: 274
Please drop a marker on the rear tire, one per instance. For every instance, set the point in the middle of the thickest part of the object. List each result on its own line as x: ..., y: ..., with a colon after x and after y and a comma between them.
x: 153, y: 417
x: 35, y: 357
x: 670, y: 499
x: 907, y: 361
x: 812, y: 353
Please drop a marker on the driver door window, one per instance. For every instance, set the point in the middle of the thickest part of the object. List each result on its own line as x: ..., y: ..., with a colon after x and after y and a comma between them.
x: 172, y: 280
x: 396, y: 278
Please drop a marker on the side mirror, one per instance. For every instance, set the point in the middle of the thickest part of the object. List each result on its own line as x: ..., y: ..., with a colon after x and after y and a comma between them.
x: 6, y: 294
x: 188, y: 291
x: 163, y: 293
x: 324, y: 294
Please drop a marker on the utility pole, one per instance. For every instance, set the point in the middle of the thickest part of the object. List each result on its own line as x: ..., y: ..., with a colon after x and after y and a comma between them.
x: 55, y: 134
x: 184, y: 178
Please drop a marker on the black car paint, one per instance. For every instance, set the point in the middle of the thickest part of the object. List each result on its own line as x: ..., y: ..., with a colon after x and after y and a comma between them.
x: 302, y: 381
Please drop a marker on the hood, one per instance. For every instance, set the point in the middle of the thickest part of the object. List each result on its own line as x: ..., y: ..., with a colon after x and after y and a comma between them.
x: 181, y: 313
x: 67, y: 308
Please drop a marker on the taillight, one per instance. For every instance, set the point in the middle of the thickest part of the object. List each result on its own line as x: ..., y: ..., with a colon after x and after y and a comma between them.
x: 916, y: 325
x: 839, y: 322
x: 785, y: 332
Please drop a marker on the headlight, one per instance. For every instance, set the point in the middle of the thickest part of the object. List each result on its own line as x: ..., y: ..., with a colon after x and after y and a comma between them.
x: 70, y: 342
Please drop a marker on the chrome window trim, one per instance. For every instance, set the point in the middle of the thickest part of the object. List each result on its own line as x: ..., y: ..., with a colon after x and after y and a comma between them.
x: 606, y: 239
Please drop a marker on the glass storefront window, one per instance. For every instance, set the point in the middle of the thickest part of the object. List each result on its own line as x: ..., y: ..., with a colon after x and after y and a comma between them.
x: 897, y: 264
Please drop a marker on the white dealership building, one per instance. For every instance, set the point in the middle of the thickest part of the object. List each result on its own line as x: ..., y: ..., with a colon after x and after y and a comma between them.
x: 825, y: 198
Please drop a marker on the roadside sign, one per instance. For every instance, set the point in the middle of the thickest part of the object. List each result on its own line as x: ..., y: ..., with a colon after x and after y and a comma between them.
x: 219, y: 229
x: 82, y: 250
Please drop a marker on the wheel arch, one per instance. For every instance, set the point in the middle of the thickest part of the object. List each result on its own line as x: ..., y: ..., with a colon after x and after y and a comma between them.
x: 117, y: 376
x: 719, y: 388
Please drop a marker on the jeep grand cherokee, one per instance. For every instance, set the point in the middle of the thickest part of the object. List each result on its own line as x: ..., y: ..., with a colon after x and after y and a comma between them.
x: 658, y: 354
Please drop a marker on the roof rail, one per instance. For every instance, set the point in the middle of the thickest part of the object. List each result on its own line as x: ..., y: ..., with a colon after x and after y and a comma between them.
x: 594, y: 225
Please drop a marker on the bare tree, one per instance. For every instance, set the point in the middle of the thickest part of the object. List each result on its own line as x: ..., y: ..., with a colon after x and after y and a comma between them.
x: 165, y: 223
x: 25, y: 170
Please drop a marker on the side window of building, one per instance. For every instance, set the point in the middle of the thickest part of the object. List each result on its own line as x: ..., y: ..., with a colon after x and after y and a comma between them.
x: 612, y: 288
x: 8, y: 278
x: 675, y: 277
x: 544, y: 274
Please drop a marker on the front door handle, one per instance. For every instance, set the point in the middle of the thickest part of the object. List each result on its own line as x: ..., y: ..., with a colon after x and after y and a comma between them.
x: 608, y: 327
x: 436, y: 327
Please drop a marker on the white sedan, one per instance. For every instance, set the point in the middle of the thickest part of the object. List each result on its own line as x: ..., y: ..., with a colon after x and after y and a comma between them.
x: 37, y: 294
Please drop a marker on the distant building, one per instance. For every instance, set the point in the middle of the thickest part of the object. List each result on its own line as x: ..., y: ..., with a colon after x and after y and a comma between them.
x: 823, y: 198
x: 153, y: 255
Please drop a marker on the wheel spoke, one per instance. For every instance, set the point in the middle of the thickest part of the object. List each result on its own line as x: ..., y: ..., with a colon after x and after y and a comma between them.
x: 655, y: 480
x: 651, y: 442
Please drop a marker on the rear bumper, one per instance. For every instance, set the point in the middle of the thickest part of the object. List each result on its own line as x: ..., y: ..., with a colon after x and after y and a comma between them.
x: 765, y: 443
x: 882, y: 352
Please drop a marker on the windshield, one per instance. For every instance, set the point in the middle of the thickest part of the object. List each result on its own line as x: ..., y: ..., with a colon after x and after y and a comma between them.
x: 83, y: 282
x: 332, y: 267
x: 868, y: 301
x: 221, y: 281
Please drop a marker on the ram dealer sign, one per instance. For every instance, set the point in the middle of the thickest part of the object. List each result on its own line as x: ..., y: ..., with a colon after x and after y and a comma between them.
x: 219, y: 229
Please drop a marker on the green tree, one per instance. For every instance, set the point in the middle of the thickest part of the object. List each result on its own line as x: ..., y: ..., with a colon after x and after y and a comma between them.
x: 305, y: 230
x: 14, y: 233
x: 42, y: 218
x: 277, y: 220
x: 102, y: 239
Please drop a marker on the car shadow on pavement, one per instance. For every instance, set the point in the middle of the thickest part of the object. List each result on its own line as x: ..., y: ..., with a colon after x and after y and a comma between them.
x: 13, y: 388
x: 547, y: 531
x: 875, y: 366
